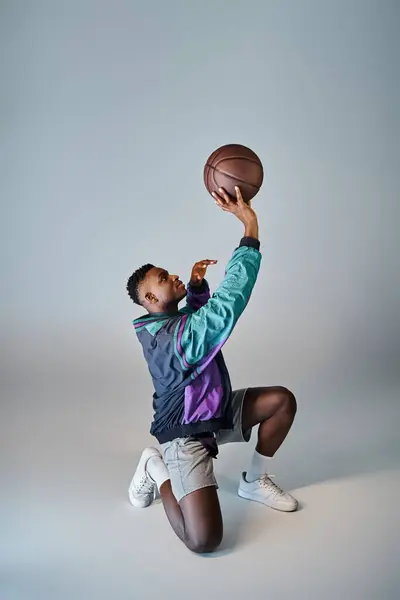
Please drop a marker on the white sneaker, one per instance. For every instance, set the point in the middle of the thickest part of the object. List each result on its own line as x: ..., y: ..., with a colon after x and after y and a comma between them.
x: 264, y: 490
x: 142, y: 489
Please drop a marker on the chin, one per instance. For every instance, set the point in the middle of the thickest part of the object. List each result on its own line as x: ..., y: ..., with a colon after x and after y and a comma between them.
x: 182, y: 294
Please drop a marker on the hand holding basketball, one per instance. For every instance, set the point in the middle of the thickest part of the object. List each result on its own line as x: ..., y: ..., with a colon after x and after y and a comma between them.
x: 232, y: 165
x: 241, y: 209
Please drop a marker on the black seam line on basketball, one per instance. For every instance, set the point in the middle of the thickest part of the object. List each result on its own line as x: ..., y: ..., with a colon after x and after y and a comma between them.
x: 208, y: 177
x: 253, y: 160
x: 212, y: 171
x: 208, y: 180
x: 216, y: 153
x: 211, y: 179
x: 233, y: 177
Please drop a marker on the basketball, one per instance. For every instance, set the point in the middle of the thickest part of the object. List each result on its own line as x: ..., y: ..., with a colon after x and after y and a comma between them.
x: 234, y: 165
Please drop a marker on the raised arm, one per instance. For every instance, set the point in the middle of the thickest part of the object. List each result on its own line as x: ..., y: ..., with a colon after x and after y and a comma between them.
x: 198, y: 292
x: 202, y: 334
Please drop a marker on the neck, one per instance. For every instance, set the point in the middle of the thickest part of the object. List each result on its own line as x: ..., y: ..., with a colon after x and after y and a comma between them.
x: 166, y: 310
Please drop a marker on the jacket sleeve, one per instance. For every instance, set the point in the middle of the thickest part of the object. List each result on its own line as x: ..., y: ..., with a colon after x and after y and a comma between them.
x: 200, y: 335
x: 197, y: 296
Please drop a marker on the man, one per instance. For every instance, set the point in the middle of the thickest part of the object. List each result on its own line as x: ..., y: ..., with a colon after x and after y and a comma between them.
x: 195, y: 409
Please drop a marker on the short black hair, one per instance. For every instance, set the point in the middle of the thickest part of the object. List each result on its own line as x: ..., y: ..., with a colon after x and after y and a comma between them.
x: 135, y: 280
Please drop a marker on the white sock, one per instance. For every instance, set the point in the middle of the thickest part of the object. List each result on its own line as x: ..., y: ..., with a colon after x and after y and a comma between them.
x: 157, y: 470
x: 258, y: 466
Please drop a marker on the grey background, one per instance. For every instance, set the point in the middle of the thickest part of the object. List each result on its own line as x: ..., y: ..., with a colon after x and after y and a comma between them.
x: 108, y: 112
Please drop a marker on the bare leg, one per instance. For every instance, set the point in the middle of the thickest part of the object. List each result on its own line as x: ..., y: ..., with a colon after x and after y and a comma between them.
x: 197, y: 519
x: 274, y: 409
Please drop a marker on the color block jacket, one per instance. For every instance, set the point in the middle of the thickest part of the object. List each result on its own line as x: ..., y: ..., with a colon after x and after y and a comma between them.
x: 183, y: 351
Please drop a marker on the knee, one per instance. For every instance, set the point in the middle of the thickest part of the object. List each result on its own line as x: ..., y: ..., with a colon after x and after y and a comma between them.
x: 288, y: 403
x: 204, y: 544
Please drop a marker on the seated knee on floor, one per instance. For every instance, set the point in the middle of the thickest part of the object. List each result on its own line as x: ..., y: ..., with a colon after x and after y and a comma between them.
x: 204, y: 543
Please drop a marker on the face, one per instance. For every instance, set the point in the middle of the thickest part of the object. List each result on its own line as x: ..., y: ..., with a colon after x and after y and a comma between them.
x: 160, y: 290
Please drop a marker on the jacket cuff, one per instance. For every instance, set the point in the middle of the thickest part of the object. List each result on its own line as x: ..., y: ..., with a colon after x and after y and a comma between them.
x: 250, y: 242
x: 198, y: 289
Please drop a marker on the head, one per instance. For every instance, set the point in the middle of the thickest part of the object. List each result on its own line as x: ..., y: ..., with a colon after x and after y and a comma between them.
x: 155, y: 289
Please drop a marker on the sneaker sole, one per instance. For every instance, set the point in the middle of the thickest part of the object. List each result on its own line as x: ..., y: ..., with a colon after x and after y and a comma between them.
x: 280, y: 508
x: 138, y: 503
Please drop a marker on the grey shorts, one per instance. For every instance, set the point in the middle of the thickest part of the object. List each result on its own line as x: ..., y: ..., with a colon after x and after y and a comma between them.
x: 189, y: 464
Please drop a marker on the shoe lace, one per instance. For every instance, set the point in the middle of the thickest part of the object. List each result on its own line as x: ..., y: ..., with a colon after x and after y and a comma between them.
x: 144, y: 485
x: 271, y: 486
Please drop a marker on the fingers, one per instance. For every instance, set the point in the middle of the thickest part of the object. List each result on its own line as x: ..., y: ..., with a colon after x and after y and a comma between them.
x: 225, y: 195
x: 222, y: 199
x: 203, y: 264
x: 219, y: 200
x: 200, y: 267
x: 220, y: 203
x: 239, y: 196
x: 217, y: 197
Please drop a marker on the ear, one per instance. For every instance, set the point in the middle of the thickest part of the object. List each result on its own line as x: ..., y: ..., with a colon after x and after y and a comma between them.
x: 150, y: 298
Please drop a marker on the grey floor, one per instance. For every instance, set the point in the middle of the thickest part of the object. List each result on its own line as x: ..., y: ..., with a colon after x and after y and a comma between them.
x: 72, y: 436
